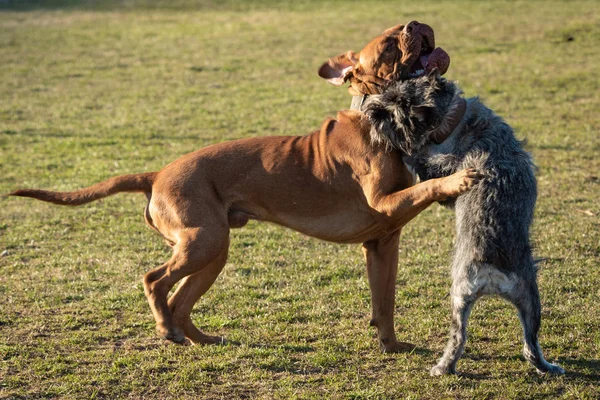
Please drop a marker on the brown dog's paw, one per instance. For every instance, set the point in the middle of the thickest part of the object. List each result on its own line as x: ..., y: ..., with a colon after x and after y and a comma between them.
x: 199, y: 338
x: 206, y: 339
x: 173, y: 334
x: 397, y: 347
x: 460, y: 182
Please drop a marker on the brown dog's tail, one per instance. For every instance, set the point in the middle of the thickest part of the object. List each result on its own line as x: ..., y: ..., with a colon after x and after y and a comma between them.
x: 124, y: 183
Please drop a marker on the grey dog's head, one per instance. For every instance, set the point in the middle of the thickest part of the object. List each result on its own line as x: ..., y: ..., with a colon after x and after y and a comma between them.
x: 408, y: 110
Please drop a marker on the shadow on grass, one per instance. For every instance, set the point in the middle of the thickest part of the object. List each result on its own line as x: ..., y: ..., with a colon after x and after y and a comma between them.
x: 474, y: 376
x: 422, y: 351
x: 574, y: 368
x: 483, y: 357
x: 287, y: 347
x: 308, y: 349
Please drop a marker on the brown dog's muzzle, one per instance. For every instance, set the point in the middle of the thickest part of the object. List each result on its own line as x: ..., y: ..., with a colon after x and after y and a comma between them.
x: 415, y: 38
x: 419, y: 53
x: 413, y: 54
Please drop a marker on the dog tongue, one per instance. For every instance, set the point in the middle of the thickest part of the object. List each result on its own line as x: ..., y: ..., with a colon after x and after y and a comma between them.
x: 438, y: 58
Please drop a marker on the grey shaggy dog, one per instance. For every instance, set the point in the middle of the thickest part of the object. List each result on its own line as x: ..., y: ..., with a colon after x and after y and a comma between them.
x: 492, y: 253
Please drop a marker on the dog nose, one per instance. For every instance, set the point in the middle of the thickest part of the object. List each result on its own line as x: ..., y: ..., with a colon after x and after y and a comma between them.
x: 410, y: 26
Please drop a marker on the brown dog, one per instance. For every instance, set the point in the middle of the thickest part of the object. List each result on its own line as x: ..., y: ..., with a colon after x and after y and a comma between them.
x: 333, y: 184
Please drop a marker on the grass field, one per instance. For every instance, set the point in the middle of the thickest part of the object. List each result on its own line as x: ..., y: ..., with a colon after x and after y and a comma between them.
x: 90, y: 90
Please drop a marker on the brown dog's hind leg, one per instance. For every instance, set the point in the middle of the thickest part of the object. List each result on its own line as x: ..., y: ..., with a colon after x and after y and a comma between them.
x: 188, y: 292
x: 195, y: 249
x: 382, y: 265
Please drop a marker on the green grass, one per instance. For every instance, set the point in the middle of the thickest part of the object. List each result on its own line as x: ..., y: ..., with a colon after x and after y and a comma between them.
x: 89, y: 90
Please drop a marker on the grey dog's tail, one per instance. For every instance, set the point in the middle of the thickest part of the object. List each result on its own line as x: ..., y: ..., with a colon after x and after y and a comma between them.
x: 124, y: 183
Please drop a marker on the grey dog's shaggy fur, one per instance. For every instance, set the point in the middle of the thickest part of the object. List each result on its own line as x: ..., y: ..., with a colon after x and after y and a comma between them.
x: 492, y: 251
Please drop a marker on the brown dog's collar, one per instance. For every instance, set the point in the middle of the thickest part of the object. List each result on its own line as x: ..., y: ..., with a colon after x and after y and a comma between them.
x: 450, y: 122
x: 358, y: 101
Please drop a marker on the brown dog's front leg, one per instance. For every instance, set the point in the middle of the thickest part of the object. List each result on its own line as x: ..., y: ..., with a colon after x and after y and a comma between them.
x: 404, y: 205
x: 382, y: 264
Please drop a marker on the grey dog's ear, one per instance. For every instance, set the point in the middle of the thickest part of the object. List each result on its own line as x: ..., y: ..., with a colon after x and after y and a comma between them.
x: 422, y: 113
x: 382, y: 119
x: 435, y: 79
x: 434, y: 75
x: 376, y: 111
x: 388, y: 120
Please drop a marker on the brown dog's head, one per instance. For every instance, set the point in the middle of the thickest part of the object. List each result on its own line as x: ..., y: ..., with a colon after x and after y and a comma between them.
x: 401, y: 52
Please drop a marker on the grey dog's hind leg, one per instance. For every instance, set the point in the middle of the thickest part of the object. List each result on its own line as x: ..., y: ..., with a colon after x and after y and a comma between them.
x: 462, y: 304
x: 526, y: 299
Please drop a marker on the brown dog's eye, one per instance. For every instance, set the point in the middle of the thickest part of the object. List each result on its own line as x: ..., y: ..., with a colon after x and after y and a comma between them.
x: 390, y: 45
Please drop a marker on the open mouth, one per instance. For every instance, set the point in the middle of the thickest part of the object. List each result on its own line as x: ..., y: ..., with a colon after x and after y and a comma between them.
x: 418, y: 67
x: 429, y: 58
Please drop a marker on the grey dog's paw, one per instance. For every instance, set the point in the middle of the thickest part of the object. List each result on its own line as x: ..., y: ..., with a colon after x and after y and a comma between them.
x: 552, y: 369
x: 441, y: 369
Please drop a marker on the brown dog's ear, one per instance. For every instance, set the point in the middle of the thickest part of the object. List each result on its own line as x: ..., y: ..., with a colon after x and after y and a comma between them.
x: 336, y: 69
x: 393, y: 29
